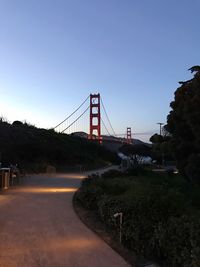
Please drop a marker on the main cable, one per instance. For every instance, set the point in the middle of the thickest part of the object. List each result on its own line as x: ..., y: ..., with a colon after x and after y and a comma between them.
x: 76, y: 119
x: 108, y: 117
x: 105, y: 127
x: 141, y: 133
x: 72, y: 114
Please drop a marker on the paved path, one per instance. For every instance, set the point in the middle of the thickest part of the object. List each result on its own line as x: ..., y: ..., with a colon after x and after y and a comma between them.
x: 39, y: 228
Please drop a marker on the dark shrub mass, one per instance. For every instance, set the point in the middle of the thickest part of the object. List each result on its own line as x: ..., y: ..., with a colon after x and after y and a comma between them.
x: 161, y: 218
x: 36, y: 148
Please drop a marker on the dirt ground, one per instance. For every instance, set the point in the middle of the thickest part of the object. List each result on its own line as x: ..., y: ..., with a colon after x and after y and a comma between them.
x: 39, y: 228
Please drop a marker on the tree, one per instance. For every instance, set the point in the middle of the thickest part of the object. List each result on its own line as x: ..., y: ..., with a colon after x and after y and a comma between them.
x: 161, y: 149
x: 17, y: 123
x: 156, y: 139
x: 136, y: 152
x: 183, y: 122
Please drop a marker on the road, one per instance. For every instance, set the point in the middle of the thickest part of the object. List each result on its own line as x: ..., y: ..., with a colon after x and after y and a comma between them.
x: 39, y: 228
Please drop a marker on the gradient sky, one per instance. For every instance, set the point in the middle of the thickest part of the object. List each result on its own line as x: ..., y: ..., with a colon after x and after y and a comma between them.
x: 53, y: 54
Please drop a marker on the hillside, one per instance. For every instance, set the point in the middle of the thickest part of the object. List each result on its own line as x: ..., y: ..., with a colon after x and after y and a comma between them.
x: 34, y: 148
x: 112, y: 143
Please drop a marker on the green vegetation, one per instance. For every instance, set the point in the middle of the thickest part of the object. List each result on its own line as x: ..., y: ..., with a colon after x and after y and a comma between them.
x: 183, y: 124
x: 162, y: 147
x: 160, y: 213
x: 35, y: 149
x: 136, y: 152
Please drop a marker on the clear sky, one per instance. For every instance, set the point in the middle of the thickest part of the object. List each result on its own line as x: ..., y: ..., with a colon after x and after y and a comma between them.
x: 133, y: 52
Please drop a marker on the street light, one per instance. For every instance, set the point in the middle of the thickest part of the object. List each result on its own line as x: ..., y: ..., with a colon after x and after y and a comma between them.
x: 160, y: 123
x: 163, y: 155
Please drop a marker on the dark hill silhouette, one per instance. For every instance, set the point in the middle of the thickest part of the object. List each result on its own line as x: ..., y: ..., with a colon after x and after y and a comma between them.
x: 35, y: 148
x: 112, y: 143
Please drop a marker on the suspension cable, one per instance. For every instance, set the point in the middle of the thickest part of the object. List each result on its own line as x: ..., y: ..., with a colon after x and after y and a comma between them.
x: 144, y: 133
x: 107, y: 117
x: 105, y: 127
x: 76, y: 119
x: 72, y: 113
x: 141, y: 133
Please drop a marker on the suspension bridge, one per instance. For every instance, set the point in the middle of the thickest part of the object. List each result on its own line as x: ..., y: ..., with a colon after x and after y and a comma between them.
x: 97, y: 127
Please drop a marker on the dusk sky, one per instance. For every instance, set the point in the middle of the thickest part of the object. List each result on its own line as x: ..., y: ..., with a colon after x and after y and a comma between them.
x: 53, y: 54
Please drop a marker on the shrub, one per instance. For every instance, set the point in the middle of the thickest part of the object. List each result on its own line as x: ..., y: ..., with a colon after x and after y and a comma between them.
x: 116, y: 186
x: 142, y: 216
x: 159, y: 221
x: 178, y: 241
x: 107, y: 207
x: 92, y: 179
x: 111, y: 174
x: 89, y: 193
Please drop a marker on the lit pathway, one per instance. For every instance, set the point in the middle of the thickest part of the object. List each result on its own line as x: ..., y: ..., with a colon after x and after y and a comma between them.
x: 39, y: 228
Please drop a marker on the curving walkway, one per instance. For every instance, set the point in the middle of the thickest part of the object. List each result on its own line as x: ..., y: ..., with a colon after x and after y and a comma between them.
x: 39, y: 228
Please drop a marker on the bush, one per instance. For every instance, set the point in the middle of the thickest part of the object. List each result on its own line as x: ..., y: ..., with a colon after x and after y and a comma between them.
x: 178, y: 241
x: 89, y: 193
x: 111, y: 174
x: 107, y: 207
x: 143, y: 214
x: 159, y: 220
x: 92, y: 179
x: 117, y: 186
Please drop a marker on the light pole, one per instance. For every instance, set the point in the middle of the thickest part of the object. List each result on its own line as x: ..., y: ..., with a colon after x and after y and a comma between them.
x: 160, y: 123
x: 163, y: 155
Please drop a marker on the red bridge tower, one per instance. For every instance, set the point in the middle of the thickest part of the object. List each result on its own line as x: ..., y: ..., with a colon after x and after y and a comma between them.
x: 128, y: 135
x: 95, y: 117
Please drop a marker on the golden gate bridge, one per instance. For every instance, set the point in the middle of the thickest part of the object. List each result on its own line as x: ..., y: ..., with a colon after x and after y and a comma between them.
x: 100, y: 126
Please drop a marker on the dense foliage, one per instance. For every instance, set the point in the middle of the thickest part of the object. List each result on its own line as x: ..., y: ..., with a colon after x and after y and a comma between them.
x: 160, y: 214
x: 36, y: 148
x: 161, y: 147
x: 136, y: 152
x: 184, y: 125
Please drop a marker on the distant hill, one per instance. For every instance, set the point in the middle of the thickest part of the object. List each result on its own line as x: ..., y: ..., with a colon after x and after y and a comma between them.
x: 106, y: 137
x: 35, y: 148
x: 111, y: 143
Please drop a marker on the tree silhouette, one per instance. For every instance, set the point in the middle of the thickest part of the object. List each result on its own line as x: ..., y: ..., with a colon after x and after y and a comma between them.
x: 183, y: 122
x: 136, y: 152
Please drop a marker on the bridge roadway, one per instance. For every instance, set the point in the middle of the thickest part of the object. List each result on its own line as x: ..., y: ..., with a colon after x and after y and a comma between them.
x: 39, y: 228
